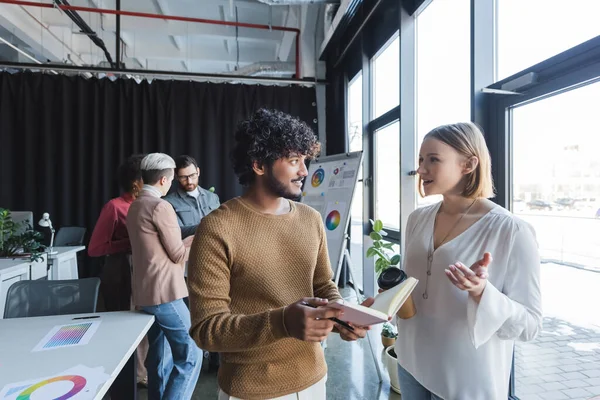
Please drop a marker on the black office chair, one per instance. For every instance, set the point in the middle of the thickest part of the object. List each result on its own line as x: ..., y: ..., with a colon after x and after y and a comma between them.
x: 70, y: 236
x: 43, y: 298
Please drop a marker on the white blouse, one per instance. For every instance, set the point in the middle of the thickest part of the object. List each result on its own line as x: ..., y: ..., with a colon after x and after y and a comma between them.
x: 454, y: 347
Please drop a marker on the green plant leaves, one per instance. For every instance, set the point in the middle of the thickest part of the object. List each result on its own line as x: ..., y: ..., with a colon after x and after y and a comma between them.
x: 381, y: 249
x: 12, y: 244
x: 389, y: 331
x: 371, y: 252
x: 389, y: 246
x: 381, y: 265
x: 375, y: 236
x: 378, y: 226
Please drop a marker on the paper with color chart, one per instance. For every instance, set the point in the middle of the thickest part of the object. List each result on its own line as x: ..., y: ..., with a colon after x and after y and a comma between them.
x: 317, y: 180
x: 77, y: 383
x: 334, y: 218
x: 342, y: 177
x: 69, y: 335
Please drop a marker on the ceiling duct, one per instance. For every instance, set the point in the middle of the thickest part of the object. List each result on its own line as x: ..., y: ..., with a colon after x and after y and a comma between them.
x: 85, y: 28
x: 273, y: 69
x: 342, y: 17
x: 296, y: 2
x: 330, y: 11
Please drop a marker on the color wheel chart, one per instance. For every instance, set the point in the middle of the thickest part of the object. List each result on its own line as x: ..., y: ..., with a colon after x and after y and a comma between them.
x: 69, y: 335
x: 317, y: 178
x: 79, y: 382
x: 332, y: 221
x: 78, y: 385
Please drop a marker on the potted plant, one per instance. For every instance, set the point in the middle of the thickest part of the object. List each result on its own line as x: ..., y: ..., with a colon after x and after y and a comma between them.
x: 14, y: 245
x: 388, y: 335
x: 391, y: 363
x: 386, y: 257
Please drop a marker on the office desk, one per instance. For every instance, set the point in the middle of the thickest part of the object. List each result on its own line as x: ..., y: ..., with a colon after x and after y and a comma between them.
x: 111, y: 347
x: 63, y: 265
x: 19, y: 269
x: 11, y: 271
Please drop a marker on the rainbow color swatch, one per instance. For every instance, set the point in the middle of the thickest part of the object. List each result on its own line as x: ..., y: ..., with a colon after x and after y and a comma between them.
x: 318, y: 177
x: 68, y: 335
x: 333, y: 220
x: 77, y: 380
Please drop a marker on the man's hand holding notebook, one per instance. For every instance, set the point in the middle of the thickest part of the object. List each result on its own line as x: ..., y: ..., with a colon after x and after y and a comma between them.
x: 386, y: 304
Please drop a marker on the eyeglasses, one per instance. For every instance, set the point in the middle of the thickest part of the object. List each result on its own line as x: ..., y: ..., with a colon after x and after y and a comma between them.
x: 183, y: 178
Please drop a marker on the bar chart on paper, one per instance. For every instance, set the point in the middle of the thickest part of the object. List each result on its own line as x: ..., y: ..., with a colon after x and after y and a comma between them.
x: 69, y: 335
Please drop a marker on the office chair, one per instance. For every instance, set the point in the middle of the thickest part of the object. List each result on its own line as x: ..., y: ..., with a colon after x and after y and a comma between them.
x: 43, y: 297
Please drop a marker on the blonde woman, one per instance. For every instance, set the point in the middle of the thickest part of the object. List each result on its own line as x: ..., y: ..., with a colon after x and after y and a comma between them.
x: 460, y: 343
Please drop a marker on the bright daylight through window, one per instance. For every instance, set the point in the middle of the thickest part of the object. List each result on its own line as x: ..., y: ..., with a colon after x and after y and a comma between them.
x: 443, y: 69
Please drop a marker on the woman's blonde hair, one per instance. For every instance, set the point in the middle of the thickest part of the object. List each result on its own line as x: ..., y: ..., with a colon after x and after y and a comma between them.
x: 467, y: 139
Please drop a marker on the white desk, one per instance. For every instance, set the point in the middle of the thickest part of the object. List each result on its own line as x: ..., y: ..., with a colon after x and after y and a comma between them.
x: 111, y: 347
x: 63, y: 265
x: 11, y: 271
x: 19, y: 269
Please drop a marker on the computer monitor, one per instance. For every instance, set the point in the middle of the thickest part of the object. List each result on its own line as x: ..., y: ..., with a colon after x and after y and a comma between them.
x: 23, y: 218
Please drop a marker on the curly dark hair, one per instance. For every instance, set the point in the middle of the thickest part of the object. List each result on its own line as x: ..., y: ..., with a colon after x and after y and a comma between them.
x: 129, y: 172
x: 267, y: 136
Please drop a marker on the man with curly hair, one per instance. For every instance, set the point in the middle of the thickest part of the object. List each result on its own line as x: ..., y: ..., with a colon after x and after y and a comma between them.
x: 259, y: 272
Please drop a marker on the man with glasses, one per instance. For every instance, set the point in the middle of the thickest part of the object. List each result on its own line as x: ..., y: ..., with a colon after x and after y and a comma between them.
x: 190, y: 201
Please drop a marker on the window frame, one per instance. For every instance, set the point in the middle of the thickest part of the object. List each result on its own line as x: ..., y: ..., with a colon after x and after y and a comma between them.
x: 570, y: 70
x: 389, y: 118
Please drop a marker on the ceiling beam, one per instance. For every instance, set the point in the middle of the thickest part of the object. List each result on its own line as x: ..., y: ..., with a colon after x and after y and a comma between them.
x: 148, y: 28
x: 217, y: 53
x: 25, y: 24
x: 291, y: 20
x: 163, y: 8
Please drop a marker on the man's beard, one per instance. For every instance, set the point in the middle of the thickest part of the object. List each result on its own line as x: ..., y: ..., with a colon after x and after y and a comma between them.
x: 279, y: 189
x: 190, y: 190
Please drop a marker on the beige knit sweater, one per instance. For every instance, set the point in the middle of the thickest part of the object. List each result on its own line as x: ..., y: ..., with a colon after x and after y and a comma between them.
x: 244, y: 268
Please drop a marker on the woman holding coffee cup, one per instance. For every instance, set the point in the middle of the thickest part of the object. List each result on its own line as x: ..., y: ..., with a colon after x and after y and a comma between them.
x: 470, y: 309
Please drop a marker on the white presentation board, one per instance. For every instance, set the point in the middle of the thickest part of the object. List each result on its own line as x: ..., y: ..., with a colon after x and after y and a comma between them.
x: 329, y: 188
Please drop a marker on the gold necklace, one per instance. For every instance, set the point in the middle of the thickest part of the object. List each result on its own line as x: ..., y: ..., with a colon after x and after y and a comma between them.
x: 431, y: 249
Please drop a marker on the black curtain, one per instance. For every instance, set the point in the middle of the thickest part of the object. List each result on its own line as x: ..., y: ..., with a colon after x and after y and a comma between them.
x: 63, y: 137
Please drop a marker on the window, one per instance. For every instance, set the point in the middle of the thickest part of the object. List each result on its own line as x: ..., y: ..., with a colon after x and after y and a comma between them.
x: 553, y: 188
x: 386, y: 75
x: 387, y: 175
x: 355, y: 143
x: 533, y: 30
x: 443, y: 68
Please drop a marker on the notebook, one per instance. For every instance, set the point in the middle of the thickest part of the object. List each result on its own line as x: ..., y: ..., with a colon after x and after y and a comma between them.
x: 386, y: 305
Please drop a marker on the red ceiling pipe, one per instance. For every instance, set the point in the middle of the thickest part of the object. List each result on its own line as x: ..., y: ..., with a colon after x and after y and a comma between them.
x: 167, y: 17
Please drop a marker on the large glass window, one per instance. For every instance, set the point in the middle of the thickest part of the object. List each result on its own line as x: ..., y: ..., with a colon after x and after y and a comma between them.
x: 387, y: 175
x: 386, y: 75
x: 355, y: 143
x: 556, y: 188
x: 530, y: 31
x: 443, y: 68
